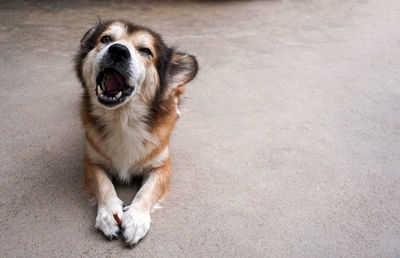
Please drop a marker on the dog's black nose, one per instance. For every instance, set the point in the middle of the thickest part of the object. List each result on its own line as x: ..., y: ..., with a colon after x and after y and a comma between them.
x: 118, y: 52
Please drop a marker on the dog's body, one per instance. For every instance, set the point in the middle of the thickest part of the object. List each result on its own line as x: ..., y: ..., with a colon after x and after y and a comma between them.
x: 132, y: 83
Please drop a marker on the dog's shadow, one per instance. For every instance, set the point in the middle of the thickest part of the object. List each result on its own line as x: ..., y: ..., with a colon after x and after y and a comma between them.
x: 127, y: 191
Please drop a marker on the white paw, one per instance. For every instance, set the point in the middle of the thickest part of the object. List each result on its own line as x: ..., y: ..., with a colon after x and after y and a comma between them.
x: 105, y: 221
x: 135, y: 224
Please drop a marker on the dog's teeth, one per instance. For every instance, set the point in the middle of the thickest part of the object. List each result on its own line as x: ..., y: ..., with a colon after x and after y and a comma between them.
x: 100, y: 91
x: 118, y: 95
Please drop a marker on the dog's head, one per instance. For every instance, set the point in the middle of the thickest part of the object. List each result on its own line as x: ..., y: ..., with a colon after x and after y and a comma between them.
x: 118, y: 60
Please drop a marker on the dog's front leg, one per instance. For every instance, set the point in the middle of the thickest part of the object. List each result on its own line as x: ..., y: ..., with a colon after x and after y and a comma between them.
x: 101, y: 187
x: 136, y: 219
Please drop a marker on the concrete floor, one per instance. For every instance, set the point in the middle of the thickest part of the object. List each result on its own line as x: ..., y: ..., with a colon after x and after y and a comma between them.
x: 289, y: 143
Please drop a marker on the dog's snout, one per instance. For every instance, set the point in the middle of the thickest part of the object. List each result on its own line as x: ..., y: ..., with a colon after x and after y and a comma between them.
x: 118, y: 52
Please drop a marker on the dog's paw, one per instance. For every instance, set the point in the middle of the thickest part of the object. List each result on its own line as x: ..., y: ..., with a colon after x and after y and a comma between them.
x: 135, y: 224
x: 105, y: 220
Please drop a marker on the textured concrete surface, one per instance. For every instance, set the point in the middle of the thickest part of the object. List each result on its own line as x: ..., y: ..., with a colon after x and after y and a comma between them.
x: 289, y: 143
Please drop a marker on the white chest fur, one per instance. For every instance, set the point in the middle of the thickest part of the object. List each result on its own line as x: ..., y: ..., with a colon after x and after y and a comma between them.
x: 125, y: 133
x: 124, y: 144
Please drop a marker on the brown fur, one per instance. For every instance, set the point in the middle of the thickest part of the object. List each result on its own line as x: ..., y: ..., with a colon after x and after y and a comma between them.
x: 92, y: 129
x: 173, y: 71
x: 96, y: 181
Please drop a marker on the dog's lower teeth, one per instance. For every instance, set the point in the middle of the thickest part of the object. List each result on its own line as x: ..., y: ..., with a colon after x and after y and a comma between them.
x: 106, y: 98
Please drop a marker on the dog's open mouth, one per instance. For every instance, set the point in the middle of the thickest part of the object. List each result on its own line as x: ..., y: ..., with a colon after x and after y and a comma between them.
x: 111, y: 89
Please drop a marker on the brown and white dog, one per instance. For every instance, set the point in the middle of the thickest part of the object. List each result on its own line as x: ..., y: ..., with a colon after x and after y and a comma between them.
x: 132, y: 83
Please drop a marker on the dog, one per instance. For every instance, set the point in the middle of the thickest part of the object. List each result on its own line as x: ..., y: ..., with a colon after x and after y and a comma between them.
x: 132, y: 82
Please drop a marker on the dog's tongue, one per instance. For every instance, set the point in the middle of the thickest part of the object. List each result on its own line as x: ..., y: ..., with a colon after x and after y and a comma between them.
x: 114, y: 83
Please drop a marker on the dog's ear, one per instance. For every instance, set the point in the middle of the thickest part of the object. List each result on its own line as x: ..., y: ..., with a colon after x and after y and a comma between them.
x: 86, y: 39
x: 181, y: 69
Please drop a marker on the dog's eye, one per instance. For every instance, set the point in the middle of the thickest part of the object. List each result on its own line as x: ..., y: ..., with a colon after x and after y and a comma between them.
x: 145, y: 51
x: 106, y: 39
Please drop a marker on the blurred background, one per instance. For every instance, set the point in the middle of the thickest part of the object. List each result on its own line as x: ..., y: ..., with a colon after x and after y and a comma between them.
x: 288, y: 143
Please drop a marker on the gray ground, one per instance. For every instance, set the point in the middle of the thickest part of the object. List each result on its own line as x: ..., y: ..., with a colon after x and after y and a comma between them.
x: 289, y: 143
